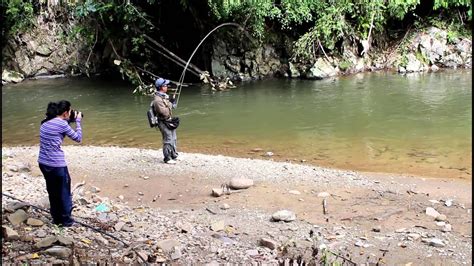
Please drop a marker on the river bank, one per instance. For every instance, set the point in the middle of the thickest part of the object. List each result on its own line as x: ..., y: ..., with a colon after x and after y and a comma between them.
x: 167, y: 213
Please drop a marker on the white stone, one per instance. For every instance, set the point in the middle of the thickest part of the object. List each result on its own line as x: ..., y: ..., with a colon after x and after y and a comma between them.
x: 284, y: 215
x: 294, y: 192
x: 240, y: 183
x: 447, y: 228
x: 431, y: 212
x: 448, y: 202
x: 435, y: 242
x: 323, y: 194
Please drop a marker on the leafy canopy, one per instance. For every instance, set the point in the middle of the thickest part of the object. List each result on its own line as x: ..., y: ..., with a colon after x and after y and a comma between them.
x: 329, y: 21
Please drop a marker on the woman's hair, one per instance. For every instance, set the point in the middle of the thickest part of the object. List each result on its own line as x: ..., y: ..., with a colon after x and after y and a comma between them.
x: 55, y: 109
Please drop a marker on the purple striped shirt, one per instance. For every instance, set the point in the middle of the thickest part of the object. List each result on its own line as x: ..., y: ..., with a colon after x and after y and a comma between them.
x: 52, y: 135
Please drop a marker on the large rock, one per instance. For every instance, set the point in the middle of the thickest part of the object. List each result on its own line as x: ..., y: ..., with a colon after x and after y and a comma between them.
x: 12, y: 76
x: 240, y: 183
x: 413, y: 65
x: 452, y: 60
x: 321, y: 69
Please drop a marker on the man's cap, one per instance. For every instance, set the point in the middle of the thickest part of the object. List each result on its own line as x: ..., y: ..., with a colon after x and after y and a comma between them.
x: 160, y: 82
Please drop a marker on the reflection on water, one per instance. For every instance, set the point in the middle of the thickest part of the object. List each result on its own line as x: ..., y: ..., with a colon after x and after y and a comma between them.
x: 419, y: 123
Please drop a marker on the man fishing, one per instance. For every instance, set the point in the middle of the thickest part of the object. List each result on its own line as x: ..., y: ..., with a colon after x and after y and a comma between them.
x: 162, y: 105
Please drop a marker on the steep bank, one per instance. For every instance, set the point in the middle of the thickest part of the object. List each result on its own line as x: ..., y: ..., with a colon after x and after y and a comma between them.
x: 167, y: 214
x: 52, y: 49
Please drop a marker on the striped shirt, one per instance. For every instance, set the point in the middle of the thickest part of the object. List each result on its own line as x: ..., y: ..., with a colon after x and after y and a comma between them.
x: 52, y: 134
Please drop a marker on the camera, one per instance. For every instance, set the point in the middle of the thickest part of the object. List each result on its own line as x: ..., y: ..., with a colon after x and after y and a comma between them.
x: 72, y: 117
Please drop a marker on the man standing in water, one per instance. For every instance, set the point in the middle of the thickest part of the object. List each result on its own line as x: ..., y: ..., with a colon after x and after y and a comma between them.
x: 162, y: 105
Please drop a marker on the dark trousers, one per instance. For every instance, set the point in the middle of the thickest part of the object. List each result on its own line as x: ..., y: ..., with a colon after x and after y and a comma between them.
x: 58, y: 184
x: 169, y: 141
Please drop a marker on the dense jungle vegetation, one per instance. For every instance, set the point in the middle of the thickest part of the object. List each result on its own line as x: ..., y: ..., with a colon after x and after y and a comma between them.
x: 310, y: 28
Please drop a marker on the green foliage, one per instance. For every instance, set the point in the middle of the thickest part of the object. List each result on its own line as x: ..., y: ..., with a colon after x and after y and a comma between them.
x: 422, y: 58
x: 329, y: 21
x: 117, y: 19
x: 344, y: 65
x: 252, y: 13
x: 456, y: 6
x: 19, y: 16
x: 399, y: 8
x: 403, y: 61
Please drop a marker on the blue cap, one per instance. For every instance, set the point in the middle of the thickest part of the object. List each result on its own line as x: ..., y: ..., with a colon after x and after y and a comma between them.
x: 160, y: 82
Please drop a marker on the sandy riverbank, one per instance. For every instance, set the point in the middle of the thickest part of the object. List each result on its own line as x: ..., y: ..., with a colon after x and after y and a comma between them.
x: 371, y: 217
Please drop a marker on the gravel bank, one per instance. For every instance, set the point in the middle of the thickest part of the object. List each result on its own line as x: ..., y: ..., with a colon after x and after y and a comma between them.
x: 371, y: 218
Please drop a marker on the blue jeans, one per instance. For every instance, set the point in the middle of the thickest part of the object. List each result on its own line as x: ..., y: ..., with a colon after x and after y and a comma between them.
x: 58, y: 184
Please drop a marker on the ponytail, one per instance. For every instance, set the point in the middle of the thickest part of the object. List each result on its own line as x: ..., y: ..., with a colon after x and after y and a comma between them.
x: 55, y: 109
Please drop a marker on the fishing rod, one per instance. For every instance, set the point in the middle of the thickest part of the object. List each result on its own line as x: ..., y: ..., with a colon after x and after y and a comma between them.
x: 181, y: 79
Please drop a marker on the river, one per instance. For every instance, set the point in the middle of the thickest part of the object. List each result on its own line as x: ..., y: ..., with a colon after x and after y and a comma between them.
x: 415, y: 124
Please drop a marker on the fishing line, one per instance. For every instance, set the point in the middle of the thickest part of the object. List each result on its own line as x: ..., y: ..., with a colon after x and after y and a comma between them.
x: 181, y: 79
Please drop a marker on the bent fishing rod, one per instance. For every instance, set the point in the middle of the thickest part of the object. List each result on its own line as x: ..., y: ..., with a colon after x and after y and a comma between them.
x: 181, y: 79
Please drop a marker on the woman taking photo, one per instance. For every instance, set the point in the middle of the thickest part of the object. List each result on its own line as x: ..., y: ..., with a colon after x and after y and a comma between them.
x: 51, y: 158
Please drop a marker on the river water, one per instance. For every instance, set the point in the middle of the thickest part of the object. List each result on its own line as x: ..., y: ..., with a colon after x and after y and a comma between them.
x: 416, y: 124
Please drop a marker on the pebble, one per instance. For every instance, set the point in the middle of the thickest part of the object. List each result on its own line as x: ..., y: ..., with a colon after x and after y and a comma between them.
x: 34, y: 222
x: 435, y: 242
x: 17, y: 217
x: 377, y: 229
x: 294, y: 192
x: 168, y: 245
x: 323, y: 194
x: 448, y: 203
x: 447, y: 228
x: 9, y: 233
x: 432, y: 212
x: 414, y: 236
x: 252, y: 252
x: 218, y: 226
x: 269, y: 243
x: 59, y: 251
x: 217, y: 192
x: 225, y: 206
x: 441, y: 218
